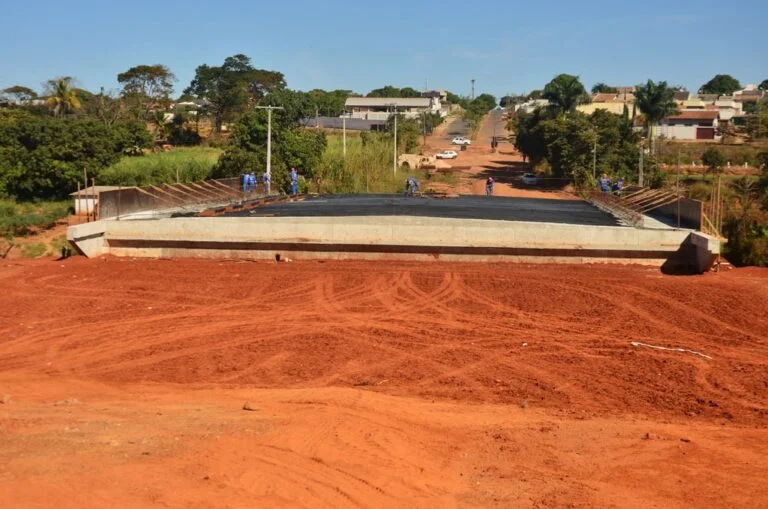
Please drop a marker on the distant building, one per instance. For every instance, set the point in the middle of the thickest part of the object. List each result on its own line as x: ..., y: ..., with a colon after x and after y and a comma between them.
x: 381, y: 108
x: 351, y: 124
x: 611, y: 107
x: 690, y: 125
x: 442, y: 95
x: 531, y: 105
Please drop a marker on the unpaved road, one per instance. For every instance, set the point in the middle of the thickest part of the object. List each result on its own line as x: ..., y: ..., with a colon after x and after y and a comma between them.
x: 379, y: 385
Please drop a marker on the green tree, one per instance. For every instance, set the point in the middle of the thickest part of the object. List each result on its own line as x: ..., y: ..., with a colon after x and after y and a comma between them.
x: 713, y: 159
x: 529, y: 135
x: 146, y: 87
x: 61, y: 96
x: 763, y: 86
x: 721, y: 84
x: 233, y: 87
x: 291, y: 145
x: 656, y: 101
x: 44, y: 157
x: 602, y: 88
x: 386, y: 91
x: 20, y: 94
x: 564, y: 93
x: 453, y: 98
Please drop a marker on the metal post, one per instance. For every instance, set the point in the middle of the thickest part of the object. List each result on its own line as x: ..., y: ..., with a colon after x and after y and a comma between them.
x: 473, y: 89
x: 93, y: 198
x: 640, y: 168
x: 79, y: 206
x: 344, y: 135
x: 85, y: 193
x: 269, y: 151
x: 678, y: 188
x: 119, y: 195
x: 394, y: 159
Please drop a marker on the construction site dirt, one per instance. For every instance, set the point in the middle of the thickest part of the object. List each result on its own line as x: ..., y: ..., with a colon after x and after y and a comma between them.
x: 212, y: 384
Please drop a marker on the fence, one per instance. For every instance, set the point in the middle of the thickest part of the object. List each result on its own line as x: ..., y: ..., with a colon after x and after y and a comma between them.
x: 187, y: 196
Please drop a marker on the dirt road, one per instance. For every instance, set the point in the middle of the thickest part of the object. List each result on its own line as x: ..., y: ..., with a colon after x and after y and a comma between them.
x: 122, y: 384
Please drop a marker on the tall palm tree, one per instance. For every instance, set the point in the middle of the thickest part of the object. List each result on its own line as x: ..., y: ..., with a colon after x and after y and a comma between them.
x: 564, y: 93
x: 62, y: 98
x: 656, y: 101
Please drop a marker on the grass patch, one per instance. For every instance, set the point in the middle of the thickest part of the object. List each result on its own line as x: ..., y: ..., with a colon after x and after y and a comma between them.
x: 22, y: 219
x: 367, y: 168
x: 33, y: 250
x: 190, y: 164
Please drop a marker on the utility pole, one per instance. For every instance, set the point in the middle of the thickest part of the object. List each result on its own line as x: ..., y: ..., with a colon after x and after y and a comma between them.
x: 594, y: 158
x: 473, y: 89
x: 394, y: 159
x: 640, y: 168
x: 678, y: 188
x: 344, y: 134
x: 269, y: 142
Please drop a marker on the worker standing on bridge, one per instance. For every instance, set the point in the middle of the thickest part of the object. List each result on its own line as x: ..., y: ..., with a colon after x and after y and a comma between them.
x: 605, y: 183
x: 617, y: 186
x: 265, y: 180
x: 252, y: 182
x: 294, y: 182
x: 489, y: 187
x: 411, y: 186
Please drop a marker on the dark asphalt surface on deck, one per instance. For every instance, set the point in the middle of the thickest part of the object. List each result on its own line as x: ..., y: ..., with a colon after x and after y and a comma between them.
x: 575, y: 212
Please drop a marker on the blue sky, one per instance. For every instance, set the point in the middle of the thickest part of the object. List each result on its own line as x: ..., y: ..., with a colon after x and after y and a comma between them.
x: 506, y: 46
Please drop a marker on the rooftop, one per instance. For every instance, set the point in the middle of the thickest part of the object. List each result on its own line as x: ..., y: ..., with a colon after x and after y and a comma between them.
x: 694, y: 115
x: 400, y: 102
x: 90, y: 190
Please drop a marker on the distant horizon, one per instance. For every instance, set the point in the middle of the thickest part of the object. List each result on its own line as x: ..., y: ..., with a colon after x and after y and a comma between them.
x: 363, y: 47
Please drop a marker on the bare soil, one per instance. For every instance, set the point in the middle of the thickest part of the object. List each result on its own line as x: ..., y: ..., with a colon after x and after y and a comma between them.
x: 387, y: 384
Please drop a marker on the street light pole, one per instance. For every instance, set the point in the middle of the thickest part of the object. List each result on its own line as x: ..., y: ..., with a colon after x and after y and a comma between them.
x: 269, y: 142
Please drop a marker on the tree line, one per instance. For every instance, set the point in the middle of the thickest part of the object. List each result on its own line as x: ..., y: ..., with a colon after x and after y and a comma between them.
x: 47, y: 141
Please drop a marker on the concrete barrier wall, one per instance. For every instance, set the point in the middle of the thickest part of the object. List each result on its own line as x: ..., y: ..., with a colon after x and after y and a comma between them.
x: 396, y: 230
x: 691, y: 213
x: 388, y: 237
x: 126, y: 201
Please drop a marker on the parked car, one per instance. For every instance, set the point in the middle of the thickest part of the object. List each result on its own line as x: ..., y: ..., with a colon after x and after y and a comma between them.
x: 529, y: 179
x: 447, y: 154
x: 461, y: 140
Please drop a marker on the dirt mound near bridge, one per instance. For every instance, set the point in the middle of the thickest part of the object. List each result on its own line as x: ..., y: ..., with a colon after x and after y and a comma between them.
x: 375, y: 383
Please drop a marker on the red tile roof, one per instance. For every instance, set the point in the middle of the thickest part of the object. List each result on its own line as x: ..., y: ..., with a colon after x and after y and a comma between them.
x: 694, y: 115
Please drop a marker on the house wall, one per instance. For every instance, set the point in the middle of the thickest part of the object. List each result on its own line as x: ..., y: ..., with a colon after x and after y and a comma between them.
x: 84, y: 205
x: 676, y: 131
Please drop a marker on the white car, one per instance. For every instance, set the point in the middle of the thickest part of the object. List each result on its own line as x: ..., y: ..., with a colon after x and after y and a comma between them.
x: 447, y: 154
x: 460, y: 140
x: 529, y: 179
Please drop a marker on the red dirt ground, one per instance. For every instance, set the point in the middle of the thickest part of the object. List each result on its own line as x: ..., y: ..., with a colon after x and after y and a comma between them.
x: 390, y: 384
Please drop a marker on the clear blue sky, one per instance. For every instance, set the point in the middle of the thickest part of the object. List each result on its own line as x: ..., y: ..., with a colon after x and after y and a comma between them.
x: 360, y: 45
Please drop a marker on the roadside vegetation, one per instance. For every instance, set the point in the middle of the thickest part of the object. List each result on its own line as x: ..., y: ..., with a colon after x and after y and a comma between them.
x: 187, y: 164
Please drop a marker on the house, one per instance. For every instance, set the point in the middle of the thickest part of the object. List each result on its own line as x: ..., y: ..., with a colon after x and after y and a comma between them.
x: 86, y: 200
x: 614, y: 107
x: 351, y: 124
x: 442, y: 95
x: 728, y: 108
x: 530, y: 106
x: 690, y: 125
x: 381, y: 108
